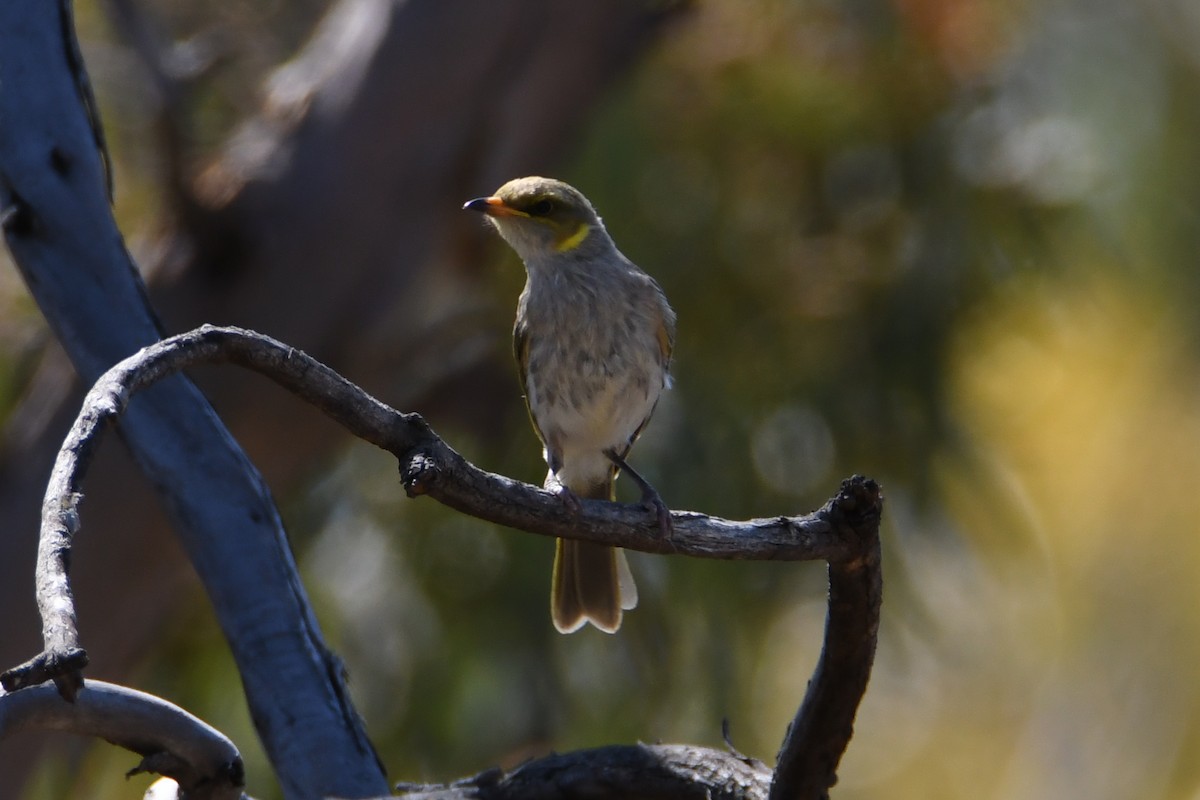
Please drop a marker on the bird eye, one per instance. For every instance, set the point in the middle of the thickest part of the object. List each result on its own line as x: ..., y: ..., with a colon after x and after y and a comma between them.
x: 541, y: 208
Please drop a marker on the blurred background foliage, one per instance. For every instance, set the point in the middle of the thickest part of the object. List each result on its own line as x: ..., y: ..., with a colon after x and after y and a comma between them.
x: 948, y: 244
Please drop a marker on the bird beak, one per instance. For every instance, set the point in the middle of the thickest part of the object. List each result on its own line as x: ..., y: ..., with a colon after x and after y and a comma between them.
x: 492, y: 206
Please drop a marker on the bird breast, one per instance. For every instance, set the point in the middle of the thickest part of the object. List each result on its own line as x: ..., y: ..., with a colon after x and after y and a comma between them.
x: 594, y: 366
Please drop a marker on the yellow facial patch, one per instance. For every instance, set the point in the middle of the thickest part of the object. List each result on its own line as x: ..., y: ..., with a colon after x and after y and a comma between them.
x: 575, y: 239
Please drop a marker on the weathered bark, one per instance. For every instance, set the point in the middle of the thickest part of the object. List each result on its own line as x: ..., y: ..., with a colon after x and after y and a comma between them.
x: 630, y: 772
x: 806, y: 766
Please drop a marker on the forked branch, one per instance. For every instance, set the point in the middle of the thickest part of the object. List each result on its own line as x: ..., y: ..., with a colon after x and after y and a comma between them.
x: 845, y: 532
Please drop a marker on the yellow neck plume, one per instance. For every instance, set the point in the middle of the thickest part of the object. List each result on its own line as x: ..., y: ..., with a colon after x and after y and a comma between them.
x: 575, y: 239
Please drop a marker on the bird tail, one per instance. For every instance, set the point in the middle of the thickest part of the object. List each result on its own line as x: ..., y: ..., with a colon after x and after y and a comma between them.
x: 592, y: 582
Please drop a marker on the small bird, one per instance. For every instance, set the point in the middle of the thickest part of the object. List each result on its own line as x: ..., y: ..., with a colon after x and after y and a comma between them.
x: 593, y: 340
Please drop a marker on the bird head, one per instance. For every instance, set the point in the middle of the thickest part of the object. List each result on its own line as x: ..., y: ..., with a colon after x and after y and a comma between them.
x: 542, y: 218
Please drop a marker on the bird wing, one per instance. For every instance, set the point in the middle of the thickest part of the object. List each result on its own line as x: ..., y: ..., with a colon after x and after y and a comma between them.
x: 666, y: 340
x: 665, y: 333
x: 666, y: 325
x: 521, y: 351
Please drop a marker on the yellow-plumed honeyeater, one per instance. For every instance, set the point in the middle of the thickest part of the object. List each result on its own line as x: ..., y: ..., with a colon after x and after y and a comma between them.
x: 593, y: 340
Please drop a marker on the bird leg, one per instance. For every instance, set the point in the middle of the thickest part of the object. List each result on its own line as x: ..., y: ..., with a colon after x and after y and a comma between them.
x: 651, y: 499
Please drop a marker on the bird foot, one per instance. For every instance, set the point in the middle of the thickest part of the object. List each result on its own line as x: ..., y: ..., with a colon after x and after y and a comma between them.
x: 568, y: 498
x: 651, y: 500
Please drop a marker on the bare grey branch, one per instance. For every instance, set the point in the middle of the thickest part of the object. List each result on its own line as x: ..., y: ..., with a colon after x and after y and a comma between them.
x: 845, y: 532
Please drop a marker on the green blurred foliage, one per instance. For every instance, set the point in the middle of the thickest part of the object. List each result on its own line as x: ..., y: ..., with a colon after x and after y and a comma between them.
x: 950, y: 244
